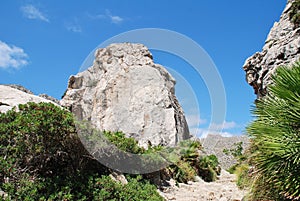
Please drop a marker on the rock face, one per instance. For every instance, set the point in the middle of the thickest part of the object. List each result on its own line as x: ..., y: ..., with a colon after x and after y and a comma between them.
x: 126, y: 91
x: 215, y: 144
x: 282, y: 47
x: 13, y: 96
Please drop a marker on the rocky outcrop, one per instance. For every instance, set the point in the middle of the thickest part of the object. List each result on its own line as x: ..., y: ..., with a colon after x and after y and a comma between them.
x: 50, y: 98
x: 216, y: 144
x: 13, y: 96
x: 126, y: 91
x: 282, y: 47
x: 20, y: 87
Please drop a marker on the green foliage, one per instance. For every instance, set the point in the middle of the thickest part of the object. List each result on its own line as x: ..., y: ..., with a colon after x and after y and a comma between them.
x: 182, y: 171
x: 191, y: 163
x: 294, y: 14
x: 82, y: 187
x: 184, y: 158
x: 232, y: 169
x: 208, y: 168
x: 127, y: 144
x: 39, y: 139
x: 236, y: 151
x: 42, y: 158
x: 136, y: 189
x: 243, y: 178
x: 275, y: 137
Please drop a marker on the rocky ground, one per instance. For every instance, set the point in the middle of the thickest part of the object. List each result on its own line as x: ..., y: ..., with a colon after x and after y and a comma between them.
x: 224, y: 189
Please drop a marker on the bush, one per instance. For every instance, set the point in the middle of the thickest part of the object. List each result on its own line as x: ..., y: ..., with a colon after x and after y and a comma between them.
x: 208, y: 168
x: 182, y: 171
x: 39, y: 139
x: 127, y: 144
x: 105, y: 188
x: 42, y: 158
x: 243, y: 178
x: 275, y: 137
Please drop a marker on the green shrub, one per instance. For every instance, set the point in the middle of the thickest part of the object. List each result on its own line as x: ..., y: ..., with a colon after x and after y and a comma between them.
x: 42, y: 158
x: 243, y: 178
x: 39, y: 139
x: 208, y: 168
x: 275, y: 137
x: 236, y: 151
x: 127, y: 144
x: 182, y: 171
x: 294, y: 14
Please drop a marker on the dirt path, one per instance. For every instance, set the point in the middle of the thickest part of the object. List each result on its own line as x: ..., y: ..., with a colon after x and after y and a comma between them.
x: 224, y: 189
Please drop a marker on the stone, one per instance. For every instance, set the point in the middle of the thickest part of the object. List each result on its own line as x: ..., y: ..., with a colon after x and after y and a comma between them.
x: 282, y: 47
x: 4, y: 195
x: 11, y: 97
x: 118, y: 177
x: 124, y: 90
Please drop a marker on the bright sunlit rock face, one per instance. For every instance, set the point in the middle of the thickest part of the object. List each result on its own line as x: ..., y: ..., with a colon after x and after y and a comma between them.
x: 126, y: 91
x: 11, y: 97
x: 282, y: 47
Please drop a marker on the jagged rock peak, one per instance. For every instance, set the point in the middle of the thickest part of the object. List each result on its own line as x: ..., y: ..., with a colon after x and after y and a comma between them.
x: 124, y: 90
x: 282, y: 47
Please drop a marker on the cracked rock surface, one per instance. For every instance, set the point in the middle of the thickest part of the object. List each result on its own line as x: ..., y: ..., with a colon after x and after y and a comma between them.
x: 282, y: 47
x: 124, y: 90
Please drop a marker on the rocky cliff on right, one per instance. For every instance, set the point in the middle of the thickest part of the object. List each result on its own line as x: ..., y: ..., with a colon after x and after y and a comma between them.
x: 282, y: 47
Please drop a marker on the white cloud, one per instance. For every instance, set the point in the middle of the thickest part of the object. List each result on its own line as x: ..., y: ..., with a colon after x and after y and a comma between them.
x: 224, y: 125
x: 194, y: 120
x: 12, y: 56
x: 202, y: 133
x: 74, y: 28
x: 31, y: 12
x: 115, y: 19
x: 215, y: 129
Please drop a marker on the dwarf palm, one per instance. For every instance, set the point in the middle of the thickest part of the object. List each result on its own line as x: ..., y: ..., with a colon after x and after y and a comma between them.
x: 276, y: 136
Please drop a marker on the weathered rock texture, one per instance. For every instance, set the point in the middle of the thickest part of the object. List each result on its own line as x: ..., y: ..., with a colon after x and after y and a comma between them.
x: 282, y: 47
x: 224, y: 189
x: 215, y: 144
x: 11, y: 96
x: 126, y: 91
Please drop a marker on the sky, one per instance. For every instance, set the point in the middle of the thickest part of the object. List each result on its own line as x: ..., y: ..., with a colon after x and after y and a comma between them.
x: 43, y: 42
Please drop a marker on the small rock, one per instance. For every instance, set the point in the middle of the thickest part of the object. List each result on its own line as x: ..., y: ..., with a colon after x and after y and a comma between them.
x: 119, y: 177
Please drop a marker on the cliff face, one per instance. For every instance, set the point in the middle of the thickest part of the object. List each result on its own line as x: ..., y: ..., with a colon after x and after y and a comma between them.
x: 126, y: 91
x: 282, y: 47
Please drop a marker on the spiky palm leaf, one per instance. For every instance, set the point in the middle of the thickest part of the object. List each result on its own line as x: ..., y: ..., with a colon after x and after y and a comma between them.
x: 276, y: 134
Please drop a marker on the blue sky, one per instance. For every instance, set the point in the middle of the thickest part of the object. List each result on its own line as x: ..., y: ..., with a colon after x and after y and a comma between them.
x: 43, y: 42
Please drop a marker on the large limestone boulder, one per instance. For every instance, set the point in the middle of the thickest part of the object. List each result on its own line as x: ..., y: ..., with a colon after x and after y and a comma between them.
x: 124, y: 90
x: 12, y: 96
x: 282, y: 47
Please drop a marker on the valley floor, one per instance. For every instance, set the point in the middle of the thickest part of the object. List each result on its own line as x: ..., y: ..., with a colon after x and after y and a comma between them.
x: 224, y: 189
